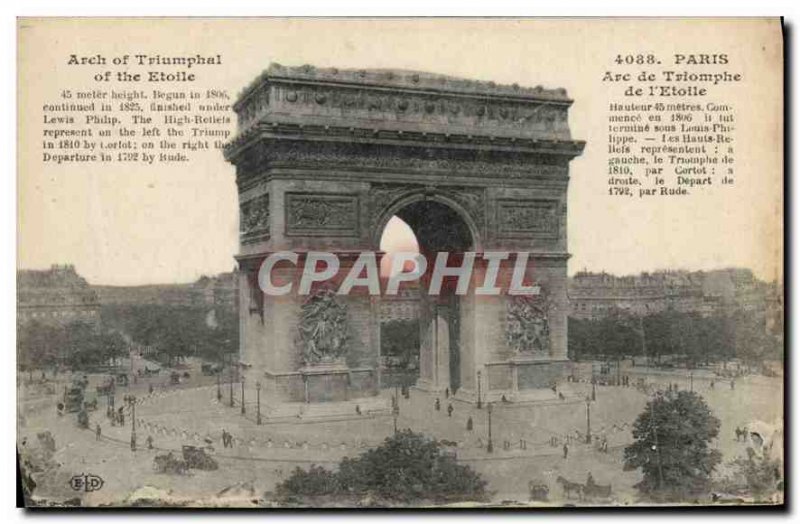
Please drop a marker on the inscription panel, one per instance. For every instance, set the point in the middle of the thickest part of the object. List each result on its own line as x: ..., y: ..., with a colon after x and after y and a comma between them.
x: 322, y: 214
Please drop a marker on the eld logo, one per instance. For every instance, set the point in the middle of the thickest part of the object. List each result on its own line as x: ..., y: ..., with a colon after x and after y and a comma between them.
x: 86, y: 482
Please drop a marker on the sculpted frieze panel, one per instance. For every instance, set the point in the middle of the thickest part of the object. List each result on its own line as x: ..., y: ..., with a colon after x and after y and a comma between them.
x: 254, y: 219
x: 523, y: 117
x: 535, y: 218
x: 322, y: 214
x: 419, y: 160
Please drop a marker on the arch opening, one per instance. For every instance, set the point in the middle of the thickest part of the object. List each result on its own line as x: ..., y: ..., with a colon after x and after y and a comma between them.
x: 433, y: 356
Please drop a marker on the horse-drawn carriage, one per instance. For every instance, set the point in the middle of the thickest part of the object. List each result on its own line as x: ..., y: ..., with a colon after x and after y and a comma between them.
x: 108, y: 388
x: 170, y: 464
x: 590, y: 491
x: 538, y: 491
x: 210, y: 369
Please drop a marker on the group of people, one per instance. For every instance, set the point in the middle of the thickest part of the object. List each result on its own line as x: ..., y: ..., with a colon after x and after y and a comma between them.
x: 117, y: 416
x: 227, y: 439
x: 438, y: 407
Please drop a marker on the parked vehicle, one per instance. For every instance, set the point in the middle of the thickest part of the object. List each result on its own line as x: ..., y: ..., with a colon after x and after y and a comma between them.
x: 169, y: 463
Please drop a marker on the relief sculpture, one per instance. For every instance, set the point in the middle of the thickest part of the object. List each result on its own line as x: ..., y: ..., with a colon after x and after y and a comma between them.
x: 527, y: 327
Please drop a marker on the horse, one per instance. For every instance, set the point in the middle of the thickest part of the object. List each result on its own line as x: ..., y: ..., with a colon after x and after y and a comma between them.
x: 570, y: 488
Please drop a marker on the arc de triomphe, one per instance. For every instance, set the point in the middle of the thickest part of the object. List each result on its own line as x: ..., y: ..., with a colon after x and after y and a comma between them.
x: 325, y: 157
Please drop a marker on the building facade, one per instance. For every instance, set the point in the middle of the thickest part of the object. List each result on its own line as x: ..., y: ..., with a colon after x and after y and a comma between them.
x: 597, y: 295
x: 57, y: 295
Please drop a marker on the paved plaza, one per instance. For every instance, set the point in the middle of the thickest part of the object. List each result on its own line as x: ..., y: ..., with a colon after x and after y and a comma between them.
x: 527, y: 438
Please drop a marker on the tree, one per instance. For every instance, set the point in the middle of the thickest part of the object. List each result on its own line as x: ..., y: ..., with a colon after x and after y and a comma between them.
x: 38, y: 345
x: 400, y: 338
x: 406, y: 468
x: 113, y: 346
x: 671, y: 446
x: 761, y: 473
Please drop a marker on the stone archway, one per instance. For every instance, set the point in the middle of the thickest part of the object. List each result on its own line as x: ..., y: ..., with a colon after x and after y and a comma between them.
x: 325, y: 156
x: 439, y: 225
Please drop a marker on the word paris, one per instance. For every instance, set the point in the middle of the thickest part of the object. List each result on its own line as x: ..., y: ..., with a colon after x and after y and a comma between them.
x: 451, y: 272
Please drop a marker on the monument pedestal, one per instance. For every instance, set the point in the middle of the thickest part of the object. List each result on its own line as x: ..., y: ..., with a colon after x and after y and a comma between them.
x: 517, y: 379
x: 325, y: 382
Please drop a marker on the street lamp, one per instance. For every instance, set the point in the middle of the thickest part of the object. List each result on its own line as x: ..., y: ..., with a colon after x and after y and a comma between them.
x: 588, y: 421
x: 258, y: 403
x: 489, y: 447
x: 230, y: 378
x: 131, y: 400
x: 395, y: 413
x: 480, y: 404
x: 242, y: 394
x: 219, y: 390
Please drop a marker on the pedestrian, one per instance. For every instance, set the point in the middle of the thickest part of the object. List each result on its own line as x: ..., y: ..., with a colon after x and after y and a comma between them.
x: 712, y: 384
x: 437, y: 404
x: 97, y: 431
x: 449, y: 409
x: 446, y: 392
x: 358, y: 409
x: 566, y: 450
x: 150, y: 442
x: 224, y: 438
x: 733, y: 384
x: 469, y: 424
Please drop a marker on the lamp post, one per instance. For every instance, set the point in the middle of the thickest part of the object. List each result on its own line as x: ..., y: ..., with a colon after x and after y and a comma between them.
x: 243, y: 395
x: 489, y: 446
x: 691, y: 382
x: 258, y: 403
x: 131, y: 400
x: 219, y: 390
x: 395, y: 413
x: 588, y: 421
x: 480, y: 404
x: 230, y: 379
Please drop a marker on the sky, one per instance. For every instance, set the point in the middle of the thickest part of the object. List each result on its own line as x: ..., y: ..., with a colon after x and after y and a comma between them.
x: 127, y: 225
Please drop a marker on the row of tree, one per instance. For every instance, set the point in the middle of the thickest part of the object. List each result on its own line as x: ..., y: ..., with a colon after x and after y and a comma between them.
x: 177, y: 331
x: 76, y: 345
x: 174, y: 331
x: 694, y: 338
